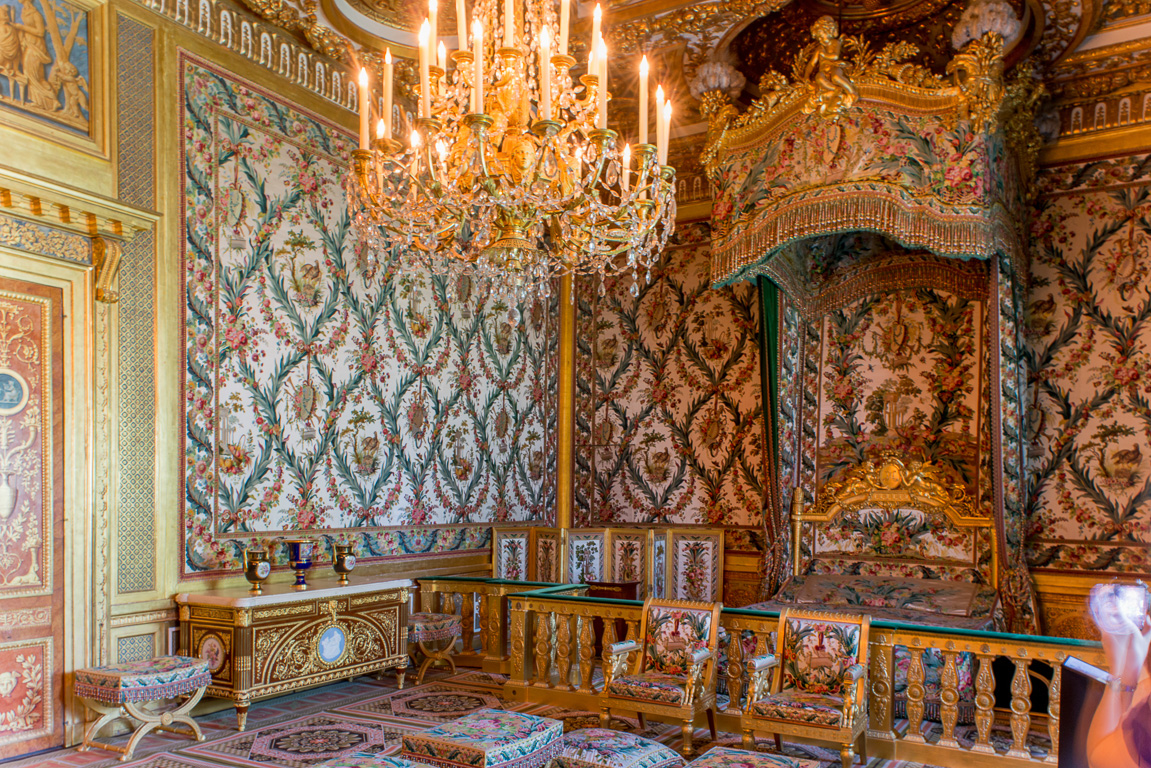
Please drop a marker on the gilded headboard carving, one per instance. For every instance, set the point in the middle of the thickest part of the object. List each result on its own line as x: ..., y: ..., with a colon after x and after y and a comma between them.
x: 895, y: 510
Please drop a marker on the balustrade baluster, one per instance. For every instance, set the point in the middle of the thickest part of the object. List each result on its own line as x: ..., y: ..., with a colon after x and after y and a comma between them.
x: 497, y: 646
x: 915, y: 695
x: 1053, y: 692
x: 468, y: 619
x: 543, y: 650
x: 949, y: 697
x: 564, y: 650
x: 1020, y: 707
x: 881, y: 704
x: 984, y: 704
x: 521, y: 650
x: 485, y: 628
x: 735, y: 670
x: 586, y: 654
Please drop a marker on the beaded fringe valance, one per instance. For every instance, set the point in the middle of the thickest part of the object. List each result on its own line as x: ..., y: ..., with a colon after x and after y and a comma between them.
x: 964, y: 233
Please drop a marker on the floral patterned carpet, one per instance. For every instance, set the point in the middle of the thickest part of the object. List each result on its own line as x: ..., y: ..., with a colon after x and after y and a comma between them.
x: 308, y: 728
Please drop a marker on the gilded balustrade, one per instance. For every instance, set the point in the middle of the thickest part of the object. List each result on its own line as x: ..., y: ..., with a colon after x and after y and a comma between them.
x: 549, y: 653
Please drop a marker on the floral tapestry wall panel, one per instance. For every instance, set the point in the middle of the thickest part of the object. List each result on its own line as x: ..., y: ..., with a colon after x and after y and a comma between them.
x: 547, y: 555
x: 511, y: 553
x: 900, y: 372
x: 696, y: 566
x: 326, y: 390
x: 670, y: 412
x: 1089, y: 396
x: 629, y: 557
x: 585, y: 556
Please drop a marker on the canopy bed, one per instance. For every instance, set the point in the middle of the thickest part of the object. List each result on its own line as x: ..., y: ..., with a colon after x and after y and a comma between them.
x: 860, y: 192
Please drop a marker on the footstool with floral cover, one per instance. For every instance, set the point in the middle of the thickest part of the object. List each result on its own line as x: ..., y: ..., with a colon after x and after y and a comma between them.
x: 369, y: 760
x: 435, y: 634
x: 487, y: 738
x: 605, y: 748
x: 124, y: 690
x: 728, y: 757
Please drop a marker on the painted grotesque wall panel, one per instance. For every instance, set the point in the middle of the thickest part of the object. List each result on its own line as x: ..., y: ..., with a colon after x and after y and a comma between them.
x: 1089, y: 424
x: 327, y: 390
x: 899, y: 371
x: 670, y: 413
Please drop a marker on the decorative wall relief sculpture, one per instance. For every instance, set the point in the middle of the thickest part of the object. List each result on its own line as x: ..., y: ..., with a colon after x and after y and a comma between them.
x: 1089, y: 426
x: 325, y: 391
x: 669, y: 412
x: 44, y: 61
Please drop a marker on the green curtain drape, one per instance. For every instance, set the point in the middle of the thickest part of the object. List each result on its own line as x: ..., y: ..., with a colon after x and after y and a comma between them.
x: 769, y: 365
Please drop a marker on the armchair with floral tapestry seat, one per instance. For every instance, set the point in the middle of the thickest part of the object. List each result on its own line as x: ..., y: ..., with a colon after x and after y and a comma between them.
x: 819, y: 689
x: 673, y: 676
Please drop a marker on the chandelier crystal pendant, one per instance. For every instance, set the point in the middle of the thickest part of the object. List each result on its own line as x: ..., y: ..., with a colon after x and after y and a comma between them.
x: 510, y: 174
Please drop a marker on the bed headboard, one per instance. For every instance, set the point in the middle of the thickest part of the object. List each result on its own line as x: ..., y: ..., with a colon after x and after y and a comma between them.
x: 894, y: 516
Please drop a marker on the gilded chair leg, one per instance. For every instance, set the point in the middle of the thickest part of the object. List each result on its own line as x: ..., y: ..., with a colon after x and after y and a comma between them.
x: 861, y: 747
x: 749, y: 740
x: 605, y: 718
x: 779, y: 743
x: 711, y: 724
x: 688, y: 733
x: 847, y: 756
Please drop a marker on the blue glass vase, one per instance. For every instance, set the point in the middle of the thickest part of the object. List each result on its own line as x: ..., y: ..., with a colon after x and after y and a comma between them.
x: 300, y: 559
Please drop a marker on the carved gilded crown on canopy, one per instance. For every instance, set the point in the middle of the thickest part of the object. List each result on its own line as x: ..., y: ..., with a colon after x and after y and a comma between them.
x: 866, y: 139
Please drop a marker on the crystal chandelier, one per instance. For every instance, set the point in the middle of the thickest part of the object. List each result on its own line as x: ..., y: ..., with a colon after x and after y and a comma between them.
x: 510, y: 174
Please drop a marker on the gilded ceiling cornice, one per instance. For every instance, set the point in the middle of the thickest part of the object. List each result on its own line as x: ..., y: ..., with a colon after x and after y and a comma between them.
x: 1068, y: 22
x: 642, y: 33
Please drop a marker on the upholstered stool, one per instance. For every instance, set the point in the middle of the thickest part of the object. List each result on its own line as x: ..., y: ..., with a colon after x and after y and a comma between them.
x: 727, y: 757
x: 122, y: 691
x: 604, y: 748
x: 435, y: 634
x: 368, y: 760
x: 487, y: 738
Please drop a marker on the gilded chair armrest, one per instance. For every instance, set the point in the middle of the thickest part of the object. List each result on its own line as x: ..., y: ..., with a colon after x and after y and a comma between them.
x: 693, y: 689
x: 615, y: 658
x: 623, y: 646
x: 759, y: 678
x: 766, y: 661
x: 851, y: 674
x: 853, y: 691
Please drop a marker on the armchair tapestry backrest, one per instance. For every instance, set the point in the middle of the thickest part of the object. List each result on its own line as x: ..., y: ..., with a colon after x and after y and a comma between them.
x: 894, y: 517
x: 816, y: 648
x: 673, y: 630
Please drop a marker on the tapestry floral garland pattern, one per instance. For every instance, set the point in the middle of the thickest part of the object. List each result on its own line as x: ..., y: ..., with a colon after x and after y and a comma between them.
x: 326, y: 392
x: 669, y: 411
x: 1089, y: 374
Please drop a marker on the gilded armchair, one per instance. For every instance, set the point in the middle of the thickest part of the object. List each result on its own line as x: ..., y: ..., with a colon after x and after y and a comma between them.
x: 673, y: 676
x: 819, y: 689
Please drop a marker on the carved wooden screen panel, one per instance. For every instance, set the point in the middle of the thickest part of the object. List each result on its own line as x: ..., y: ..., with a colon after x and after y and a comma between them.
x: 31, y: 518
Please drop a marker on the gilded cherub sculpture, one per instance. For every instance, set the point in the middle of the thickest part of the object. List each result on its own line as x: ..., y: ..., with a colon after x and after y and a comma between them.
x: 826, y: 71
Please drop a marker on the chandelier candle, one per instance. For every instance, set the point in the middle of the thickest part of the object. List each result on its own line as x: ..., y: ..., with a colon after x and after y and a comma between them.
x: 565, y: 14
x: 388, y: 93
x: 601, y: 61
x: 433, y: 12
x: 643, y: 100
x: 666, y: 132
x: 596, y: 21
x: 512, y: 177
x: 425, y: 79
x: 365, y: 108
x: 442, y: 60
x: 461, y: 26
x: 660, y: 139
x: 546, y: 73
x: 478, y: 75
